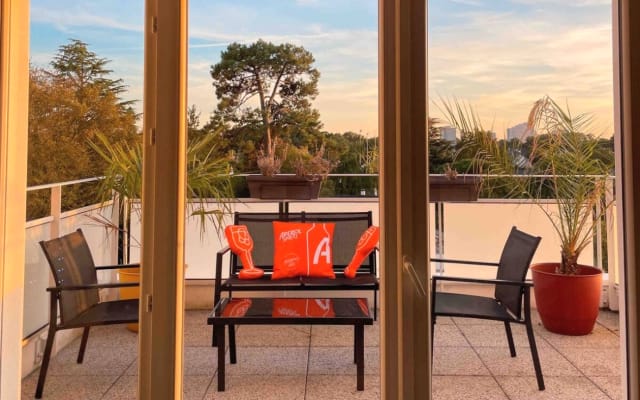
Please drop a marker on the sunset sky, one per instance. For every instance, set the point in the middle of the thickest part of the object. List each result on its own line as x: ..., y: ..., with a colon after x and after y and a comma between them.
x: 498, y: 55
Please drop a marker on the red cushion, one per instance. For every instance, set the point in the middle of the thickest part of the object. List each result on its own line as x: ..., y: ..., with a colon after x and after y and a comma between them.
x: 241, y: 243
x: 368, y: 241
x: 302, y: 249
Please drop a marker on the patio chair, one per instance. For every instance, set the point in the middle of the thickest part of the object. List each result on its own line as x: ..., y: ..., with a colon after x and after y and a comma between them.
x: 76, y: 292
x: 510, y: 289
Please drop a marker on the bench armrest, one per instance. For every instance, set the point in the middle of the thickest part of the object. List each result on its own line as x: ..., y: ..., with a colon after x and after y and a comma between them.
x: 218, y: 274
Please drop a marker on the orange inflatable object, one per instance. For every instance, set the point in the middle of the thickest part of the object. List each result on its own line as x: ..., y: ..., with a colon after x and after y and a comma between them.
x: 241, y: 244
x: 368, y: 241
x: 321, y: 308
x: 303, y: 249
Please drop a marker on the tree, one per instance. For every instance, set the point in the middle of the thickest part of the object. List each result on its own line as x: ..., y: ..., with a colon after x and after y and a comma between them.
x: 70, y: 104
x: 282, y: 81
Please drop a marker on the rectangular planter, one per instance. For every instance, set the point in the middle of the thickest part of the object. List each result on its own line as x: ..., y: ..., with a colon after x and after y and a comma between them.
x: 442, y: 188
x: 283, y: 187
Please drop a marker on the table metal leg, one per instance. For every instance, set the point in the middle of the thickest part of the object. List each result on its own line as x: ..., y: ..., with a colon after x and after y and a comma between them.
x: 360, y: 356
x: 232, y: 344
x: 221, y: 358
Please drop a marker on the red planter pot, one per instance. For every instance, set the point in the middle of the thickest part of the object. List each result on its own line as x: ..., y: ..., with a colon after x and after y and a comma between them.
x: 567, y: 304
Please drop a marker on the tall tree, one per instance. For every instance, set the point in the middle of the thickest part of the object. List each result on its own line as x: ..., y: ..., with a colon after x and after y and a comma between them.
x: 70, y: 104
x: 266, y: 89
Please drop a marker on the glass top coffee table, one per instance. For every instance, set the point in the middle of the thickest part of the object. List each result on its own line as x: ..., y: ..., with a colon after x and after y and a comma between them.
x: 289, y: 311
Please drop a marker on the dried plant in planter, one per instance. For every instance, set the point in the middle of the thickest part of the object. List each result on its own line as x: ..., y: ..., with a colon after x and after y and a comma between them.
x: 270, y: 162
x: 316, y: 167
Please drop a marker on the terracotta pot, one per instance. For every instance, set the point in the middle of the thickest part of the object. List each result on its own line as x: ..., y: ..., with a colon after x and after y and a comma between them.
x: 129, y: 275
x: 567, y: 304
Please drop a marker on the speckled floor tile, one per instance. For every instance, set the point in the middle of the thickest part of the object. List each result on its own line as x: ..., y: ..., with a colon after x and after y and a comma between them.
x: 495, y: 335
x: 68, y: 387
x: 196, y: 330
x: 457, y: 361
x: 564, y: 388
x: 466, y: 387
x: 273, y: 335
x: 449, y: 335
x: 609, y: 320
x: 98, y: 360
x: 444, y: 321
x: 500, y: 362
x: 259, y: 387
x: 342, y: 335
x: 330, y: 387
x: 339, y: 361
x: 269, y: 361
x: 599, y: 338
x: 595, y: 362
x: 200, y: 361
x: 611, y: 385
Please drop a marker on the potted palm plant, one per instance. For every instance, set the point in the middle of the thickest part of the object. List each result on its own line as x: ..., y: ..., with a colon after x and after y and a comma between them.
x: 562, y: 165
x: 208, y: 179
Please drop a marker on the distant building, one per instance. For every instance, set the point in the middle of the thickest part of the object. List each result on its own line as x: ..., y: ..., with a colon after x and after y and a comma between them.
x: 520, y: 132
x: 449, y: 133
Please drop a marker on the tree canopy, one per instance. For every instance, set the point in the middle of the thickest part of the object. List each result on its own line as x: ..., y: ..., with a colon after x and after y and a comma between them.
x: 69, y: 104
x: 264, y: 91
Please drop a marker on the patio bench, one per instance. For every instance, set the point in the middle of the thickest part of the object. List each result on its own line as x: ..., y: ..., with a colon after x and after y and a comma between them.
x: 289, y: 311
x: 348, y: 228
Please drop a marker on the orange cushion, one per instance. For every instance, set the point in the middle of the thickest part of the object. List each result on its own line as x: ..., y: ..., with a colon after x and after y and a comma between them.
x: 368, y: 241
x: 303, y: 249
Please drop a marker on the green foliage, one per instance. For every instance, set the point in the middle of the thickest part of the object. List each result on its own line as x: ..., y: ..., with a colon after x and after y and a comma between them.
x: 440, y: 151
x: 563, y: 164
x: 282, y: 80
x: 69, y: 104
x: 207, y: 176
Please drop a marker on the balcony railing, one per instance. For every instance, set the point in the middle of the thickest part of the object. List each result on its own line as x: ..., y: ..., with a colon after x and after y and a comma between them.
x: 474, y: 230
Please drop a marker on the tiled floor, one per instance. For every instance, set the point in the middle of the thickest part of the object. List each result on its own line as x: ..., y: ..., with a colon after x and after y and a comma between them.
x: 471, y: 361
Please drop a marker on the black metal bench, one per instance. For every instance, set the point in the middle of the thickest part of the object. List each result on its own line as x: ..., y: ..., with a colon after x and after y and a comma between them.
x: 348, y: 228
x: 289, y: 311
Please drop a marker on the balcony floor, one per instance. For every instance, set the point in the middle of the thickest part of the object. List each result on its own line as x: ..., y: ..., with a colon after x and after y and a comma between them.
x: 471, y: 361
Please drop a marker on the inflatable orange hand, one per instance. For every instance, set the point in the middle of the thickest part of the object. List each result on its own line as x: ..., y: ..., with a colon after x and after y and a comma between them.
x: 241, y: 244
x: 366, y: 244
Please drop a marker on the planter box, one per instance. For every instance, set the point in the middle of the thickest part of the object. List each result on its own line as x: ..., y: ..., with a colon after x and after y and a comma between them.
x: 462, y: 189
x: 283, y: 187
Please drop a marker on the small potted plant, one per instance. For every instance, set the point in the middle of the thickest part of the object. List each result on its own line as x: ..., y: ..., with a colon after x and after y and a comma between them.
x: 563, y: 166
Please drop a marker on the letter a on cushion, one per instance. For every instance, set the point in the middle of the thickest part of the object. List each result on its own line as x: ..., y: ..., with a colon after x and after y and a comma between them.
x: 302, y: 249
x: 241, y: 243
x: 366, y: 244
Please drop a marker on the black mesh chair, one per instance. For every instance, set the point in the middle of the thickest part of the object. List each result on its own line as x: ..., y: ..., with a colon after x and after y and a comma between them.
x: 510, y: 291
x: 76, y: 292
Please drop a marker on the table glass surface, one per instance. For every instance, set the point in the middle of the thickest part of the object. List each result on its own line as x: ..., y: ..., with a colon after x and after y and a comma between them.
x: 294, y: 308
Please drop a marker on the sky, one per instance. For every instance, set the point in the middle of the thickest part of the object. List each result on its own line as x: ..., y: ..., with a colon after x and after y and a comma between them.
x: 497, y: 55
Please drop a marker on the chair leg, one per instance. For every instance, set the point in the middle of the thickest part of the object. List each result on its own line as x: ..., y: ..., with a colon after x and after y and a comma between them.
x: 512, y: 347
x: 45, y: 361
x: 534, y: 355
x: 83, y: 344
x: 532, y: 339
x: 232, y: 344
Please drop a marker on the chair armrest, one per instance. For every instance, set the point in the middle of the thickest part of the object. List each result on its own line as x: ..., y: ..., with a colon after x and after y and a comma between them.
x: 448, y: 261
x: 121, y: 266
x: 94, y: 286
x: 483, y: 281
